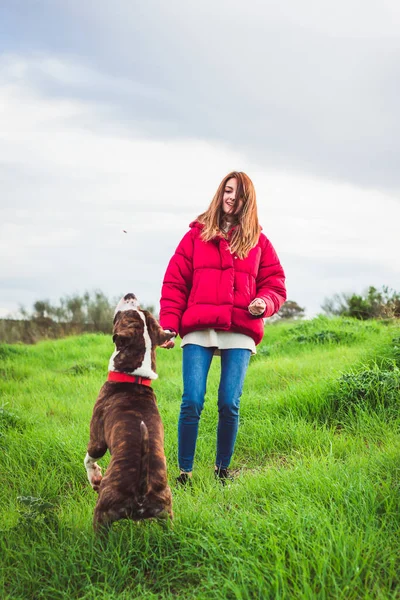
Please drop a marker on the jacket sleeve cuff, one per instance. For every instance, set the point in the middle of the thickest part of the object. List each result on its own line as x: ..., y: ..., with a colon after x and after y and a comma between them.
x: 170, y: 325
x: 170, y: 331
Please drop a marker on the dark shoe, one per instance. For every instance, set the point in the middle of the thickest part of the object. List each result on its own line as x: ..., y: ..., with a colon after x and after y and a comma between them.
x: 223, y: 476
x: 183, y: 480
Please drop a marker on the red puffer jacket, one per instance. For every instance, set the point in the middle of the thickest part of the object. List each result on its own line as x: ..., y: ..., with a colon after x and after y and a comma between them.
x: 205, y: 286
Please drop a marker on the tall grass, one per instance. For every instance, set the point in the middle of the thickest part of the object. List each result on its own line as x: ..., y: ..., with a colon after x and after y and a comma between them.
x: 314, y: 511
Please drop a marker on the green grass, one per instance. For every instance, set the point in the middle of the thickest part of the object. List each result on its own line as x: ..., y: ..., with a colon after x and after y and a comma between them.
x: 314, y: 511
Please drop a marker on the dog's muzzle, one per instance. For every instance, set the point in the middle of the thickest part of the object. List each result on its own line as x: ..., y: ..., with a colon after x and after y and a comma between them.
x: 127, y: 302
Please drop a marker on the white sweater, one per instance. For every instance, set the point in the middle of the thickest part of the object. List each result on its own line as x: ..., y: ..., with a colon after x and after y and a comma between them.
x: 220, y: 340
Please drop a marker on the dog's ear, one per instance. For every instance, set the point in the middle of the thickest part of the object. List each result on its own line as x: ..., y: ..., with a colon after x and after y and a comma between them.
x: 117, y: 317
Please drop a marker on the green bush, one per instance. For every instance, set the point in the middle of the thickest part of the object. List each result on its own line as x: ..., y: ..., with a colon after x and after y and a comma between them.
x: 373, y: 304
x: 376, y: 388
x: 10, y: 420
x: 325, y: 337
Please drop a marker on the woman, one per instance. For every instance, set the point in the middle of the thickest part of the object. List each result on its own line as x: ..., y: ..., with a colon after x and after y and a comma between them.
x: 223, y: 279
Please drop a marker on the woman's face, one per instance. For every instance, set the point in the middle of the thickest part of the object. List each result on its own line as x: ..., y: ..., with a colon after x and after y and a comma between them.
x: 229, y: 198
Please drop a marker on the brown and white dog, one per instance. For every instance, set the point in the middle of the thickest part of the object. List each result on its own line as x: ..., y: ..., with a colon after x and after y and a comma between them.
x: 126, y: 421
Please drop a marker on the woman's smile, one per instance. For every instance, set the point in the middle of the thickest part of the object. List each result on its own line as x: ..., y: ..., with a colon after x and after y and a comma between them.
x: 229, y: 198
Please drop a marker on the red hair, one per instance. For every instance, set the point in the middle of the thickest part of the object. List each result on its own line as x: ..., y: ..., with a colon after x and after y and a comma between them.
x: 247, y: 231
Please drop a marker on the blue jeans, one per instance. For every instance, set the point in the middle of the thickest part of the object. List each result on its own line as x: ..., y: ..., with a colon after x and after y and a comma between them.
x: 196, y: 365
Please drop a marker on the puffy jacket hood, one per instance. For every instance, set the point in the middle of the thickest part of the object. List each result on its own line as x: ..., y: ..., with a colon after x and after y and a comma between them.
x: 196, y: 224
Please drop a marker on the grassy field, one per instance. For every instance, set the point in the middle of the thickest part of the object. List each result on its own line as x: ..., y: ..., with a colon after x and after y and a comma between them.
x: 314, y: 511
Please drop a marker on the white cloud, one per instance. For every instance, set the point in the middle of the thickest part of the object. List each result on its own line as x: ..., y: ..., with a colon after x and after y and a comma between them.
x: 69, y: 191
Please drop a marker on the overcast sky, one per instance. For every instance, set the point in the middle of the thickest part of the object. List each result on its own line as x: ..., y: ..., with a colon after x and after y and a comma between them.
x: 126, y: 115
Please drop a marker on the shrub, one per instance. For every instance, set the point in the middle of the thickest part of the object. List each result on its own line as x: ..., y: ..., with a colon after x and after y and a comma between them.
x: 9, y: 420
x: 373, y: 304
x: 324, y: 337
x: 370, y: 389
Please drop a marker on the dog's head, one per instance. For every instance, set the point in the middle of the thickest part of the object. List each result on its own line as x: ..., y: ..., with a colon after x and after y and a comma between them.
x: 136, y: 335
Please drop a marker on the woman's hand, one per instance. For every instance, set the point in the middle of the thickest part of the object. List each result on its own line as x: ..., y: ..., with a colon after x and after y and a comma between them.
x: 169, y: 343
x: 257, y: 307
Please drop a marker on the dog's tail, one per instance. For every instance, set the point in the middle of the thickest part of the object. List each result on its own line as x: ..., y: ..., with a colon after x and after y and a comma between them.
x: 144, y: 462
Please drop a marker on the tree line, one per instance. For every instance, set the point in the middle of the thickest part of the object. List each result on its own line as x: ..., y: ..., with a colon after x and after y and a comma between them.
x: 374, y: 303
x: 91, y: 312
x: 94, y: 312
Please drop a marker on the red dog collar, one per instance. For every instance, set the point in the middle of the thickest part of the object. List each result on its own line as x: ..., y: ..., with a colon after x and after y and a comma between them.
x: 124, y: 377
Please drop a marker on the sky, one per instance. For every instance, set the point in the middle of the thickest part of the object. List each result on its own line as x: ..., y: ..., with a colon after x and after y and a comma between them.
x: 124, y: 116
